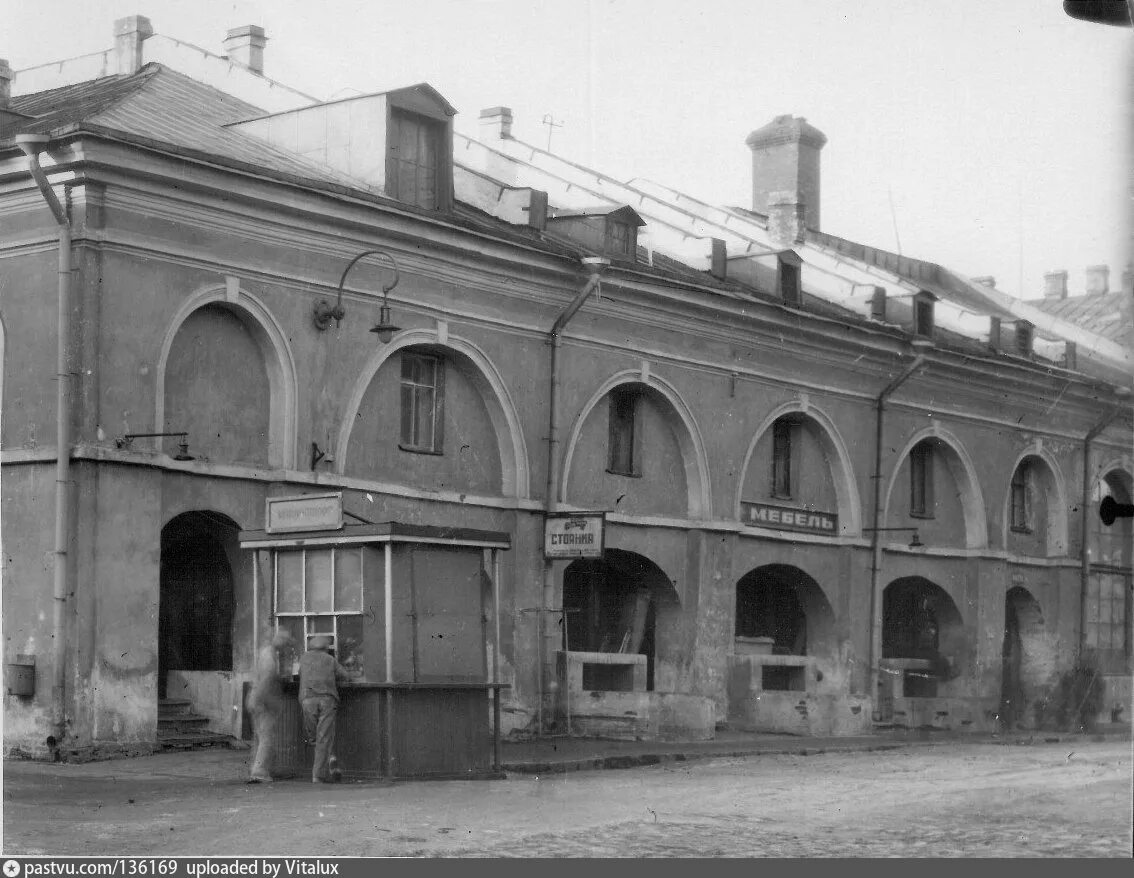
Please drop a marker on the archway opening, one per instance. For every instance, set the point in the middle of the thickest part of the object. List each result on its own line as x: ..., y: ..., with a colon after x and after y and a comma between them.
x: 1023, y: 657
x: 922, y: 627
x: 195, y: 609
x: 610, y: 606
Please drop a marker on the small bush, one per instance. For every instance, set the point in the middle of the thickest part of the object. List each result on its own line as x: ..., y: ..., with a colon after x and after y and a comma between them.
x: 1074, y: 702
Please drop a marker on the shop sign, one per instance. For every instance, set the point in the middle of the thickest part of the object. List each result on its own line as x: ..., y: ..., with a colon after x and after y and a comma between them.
x: 574, y: 535
x: 789, y: 518
x: 304, y: 512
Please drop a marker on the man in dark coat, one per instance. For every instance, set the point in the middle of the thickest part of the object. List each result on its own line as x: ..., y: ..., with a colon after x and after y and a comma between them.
x: 319, y: 674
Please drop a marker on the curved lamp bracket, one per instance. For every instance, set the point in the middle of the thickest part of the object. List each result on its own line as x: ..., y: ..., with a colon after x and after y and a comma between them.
x: 325, y: 312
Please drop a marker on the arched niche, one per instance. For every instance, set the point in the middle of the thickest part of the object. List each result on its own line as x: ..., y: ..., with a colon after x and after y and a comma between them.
x: 275, y: 357
x: 785, y: 603
x: 822, y: 431
x: 481, y: 373
x: 951, y: 458
x: 1041, y: 531
x: 678, y: 418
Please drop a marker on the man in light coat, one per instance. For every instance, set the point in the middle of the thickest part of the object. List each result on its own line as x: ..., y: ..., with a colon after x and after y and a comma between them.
x: 264, y: 703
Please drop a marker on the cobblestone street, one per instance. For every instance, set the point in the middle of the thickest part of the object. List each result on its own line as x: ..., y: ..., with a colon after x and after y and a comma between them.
x: 940, y: 800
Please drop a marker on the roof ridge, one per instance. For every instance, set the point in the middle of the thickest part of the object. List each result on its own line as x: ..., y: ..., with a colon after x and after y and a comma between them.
x: 139, y: 78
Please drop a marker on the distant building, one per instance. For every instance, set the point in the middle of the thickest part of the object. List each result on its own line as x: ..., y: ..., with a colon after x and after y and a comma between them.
x: 840, y: 487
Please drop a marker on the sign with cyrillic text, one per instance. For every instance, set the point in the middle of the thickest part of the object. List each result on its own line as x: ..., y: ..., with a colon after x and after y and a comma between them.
x: 789, y: 518
x: 574, y: 535
x: 304, y: 512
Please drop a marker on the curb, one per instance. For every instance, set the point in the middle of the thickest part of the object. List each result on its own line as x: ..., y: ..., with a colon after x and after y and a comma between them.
x: 608, y: 763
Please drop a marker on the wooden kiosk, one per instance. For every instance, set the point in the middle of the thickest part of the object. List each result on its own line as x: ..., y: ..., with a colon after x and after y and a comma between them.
x: 408, y: 608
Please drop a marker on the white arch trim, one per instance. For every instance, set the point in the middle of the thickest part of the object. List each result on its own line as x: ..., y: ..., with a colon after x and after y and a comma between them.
x: 1057, y: 519
x: 514, y: 469
x: 842, y: 473
x: 1123, y: 465
x: 277, y: 357
x: 964, y: 474
x: 690, y: 443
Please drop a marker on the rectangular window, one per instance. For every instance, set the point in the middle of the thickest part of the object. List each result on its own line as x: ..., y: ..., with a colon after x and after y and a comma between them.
x: 625, y: 435
x: 1106, y: 611
x: 1023, y: 338
x: 921, y: 481
x: 415, y: 146
x: 785, y: 454
x: 319, y: 591
x: 1021, y: 513
x: 422, y: 397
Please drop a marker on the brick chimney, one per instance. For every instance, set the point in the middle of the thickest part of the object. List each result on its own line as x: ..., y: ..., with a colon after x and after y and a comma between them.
x: 5, y: 84
x: 786, y: 219
x: 245, y: 45
x: 785, y: 159
x: 496, y: 124
x: 1055, y: 284
x: 1098, y: 280
x: 1128, y: 279
x: 129, y: 34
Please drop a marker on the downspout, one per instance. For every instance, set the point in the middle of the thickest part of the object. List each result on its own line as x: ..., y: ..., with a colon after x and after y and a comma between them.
x: 594, y: 282
x: 1084, y: 514
x: 875, y: 535
x: 32, y: 145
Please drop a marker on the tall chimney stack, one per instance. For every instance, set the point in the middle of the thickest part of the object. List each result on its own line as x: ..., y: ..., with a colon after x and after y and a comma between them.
x: 1055, y: 284
x: 1098, y: 280
x: 785, y: 160
x: 245, y: 45
x: 129, y: 34
x: 496, y: 124
x: 5, y: 84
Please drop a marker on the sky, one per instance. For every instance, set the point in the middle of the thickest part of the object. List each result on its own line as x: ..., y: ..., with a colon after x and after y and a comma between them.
x: 989, y: 137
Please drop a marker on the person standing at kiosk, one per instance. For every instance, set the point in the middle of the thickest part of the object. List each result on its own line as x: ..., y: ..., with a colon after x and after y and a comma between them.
x: 264, y: 702
x: 319, y: 699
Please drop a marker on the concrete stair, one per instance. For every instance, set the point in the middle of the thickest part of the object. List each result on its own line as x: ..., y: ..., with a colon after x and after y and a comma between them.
x: 181, y: 729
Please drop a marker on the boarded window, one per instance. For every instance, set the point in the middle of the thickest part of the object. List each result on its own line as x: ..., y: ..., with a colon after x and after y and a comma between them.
x: 923, y: 317
x: 921, y: 480
x: 785, y: 457
x: 415, y: 157
x: 625, y: 438
x: 1021, y: 512
x: 620, y: 239
x: 790, y: 288
x: 421, y: 402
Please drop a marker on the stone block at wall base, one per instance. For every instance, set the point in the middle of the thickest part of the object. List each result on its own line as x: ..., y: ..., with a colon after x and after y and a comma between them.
x: 803, y: 713
x: 110, y: 750
x: 685, y: 717
x: 947, y: 714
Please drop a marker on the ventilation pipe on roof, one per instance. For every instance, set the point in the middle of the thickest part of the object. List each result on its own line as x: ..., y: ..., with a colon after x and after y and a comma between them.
x: 32, y: 145
x: 129, y: 34
x: 245, y: 46
x: 595, y: 265
x: 5, y: 84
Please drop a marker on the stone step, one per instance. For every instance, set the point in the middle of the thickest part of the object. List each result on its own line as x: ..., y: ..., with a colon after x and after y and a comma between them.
x: 181, y: 722
x: 193, y: 741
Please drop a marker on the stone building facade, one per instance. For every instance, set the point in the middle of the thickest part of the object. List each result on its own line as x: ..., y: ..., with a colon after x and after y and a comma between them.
x: 833, y: 497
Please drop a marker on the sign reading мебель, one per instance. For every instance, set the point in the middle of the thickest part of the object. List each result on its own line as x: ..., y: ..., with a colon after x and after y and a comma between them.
x: 304, y: 512
x: 788, y: 518
x: 574, y: 535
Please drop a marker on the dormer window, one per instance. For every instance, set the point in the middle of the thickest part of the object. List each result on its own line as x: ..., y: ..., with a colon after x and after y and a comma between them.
x: 923, y: 314
x: 604, y: 231
x: 415, y: 154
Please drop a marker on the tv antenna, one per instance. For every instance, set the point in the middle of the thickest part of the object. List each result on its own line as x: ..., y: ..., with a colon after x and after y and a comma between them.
x: 551, y: 126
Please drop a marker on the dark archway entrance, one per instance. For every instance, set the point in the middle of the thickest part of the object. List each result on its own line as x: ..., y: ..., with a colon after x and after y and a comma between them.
x: 920, y: 622
x: 1022, y: 652
x: 610, y: 605
x: 196, y: 595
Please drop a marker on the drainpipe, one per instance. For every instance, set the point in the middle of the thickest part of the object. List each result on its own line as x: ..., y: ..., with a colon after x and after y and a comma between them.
x: 595, y: 265
x: 876, y: 536
x: 32, y: 145
x: 1085, y: 513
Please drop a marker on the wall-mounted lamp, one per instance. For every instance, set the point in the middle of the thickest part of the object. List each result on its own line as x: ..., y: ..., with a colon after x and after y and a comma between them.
x: 325, y: 312
x: 915, y: 542
x: 182, y: 446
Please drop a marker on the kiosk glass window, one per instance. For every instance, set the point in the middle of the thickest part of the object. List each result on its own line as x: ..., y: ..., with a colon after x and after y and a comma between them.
x: 319, y: 591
